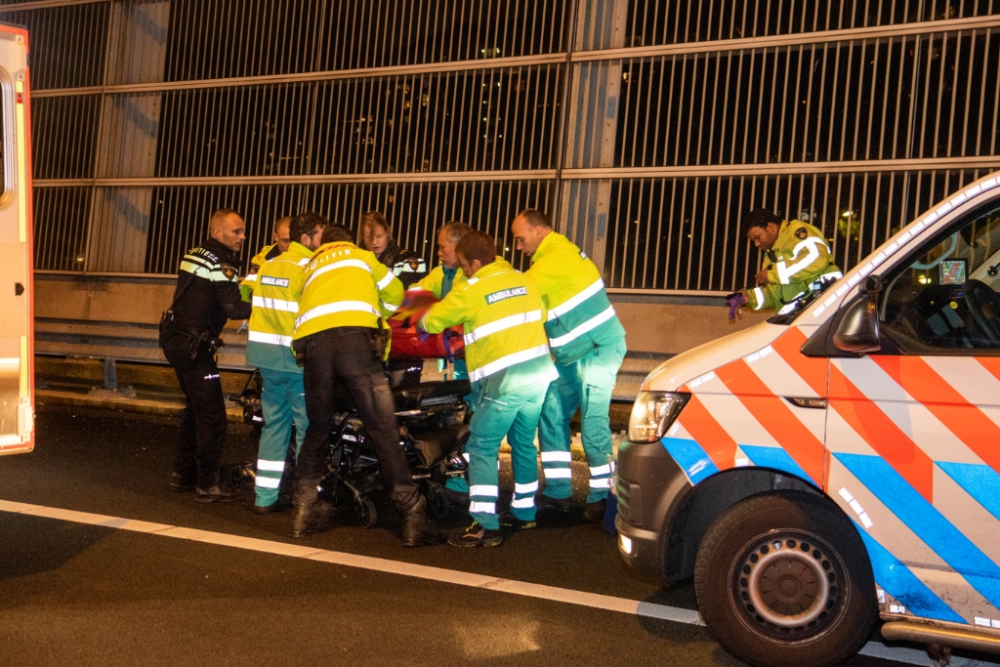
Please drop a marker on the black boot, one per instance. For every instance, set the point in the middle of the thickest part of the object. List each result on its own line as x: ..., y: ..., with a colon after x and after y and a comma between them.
x: 418, y: 529
x: 302, y: 519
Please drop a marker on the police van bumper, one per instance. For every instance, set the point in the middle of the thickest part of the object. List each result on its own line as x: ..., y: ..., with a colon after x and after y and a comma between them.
x: 650, y: 485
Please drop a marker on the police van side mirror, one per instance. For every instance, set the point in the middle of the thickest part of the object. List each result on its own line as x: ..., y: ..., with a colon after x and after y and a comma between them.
x: 858, y: 331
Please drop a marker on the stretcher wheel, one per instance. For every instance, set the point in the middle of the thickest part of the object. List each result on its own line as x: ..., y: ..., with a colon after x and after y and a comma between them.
x: 367, y: 514
x: 438, y: 505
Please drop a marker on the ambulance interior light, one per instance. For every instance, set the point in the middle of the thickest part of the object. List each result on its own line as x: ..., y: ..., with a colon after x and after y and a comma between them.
x: 653, y: 413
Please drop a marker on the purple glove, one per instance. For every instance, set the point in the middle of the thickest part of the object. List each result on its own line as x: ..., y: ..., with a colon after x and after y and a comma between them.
x: 735, y: 301
x: 422, y: 335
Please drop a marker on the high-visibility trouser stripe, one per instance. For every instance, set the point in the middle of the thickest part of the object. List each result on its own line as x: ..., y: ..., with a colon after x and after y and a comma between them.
x: 500, y: 325
x: 602, y: 483
x: 335, y: 307
x: 487, y: 490
x: 558, y: 473
x: 526, y: 488
x: 269, y: 338
x: 548, y: 457
x: 509, y: 360
x: 592, y: 323
x: 523, y: 503
x: 268, y: 482
x: 485, y: 508
x: 758, y: 294
x: 343, y: 264
x: 576, y: 300
x: 270, y: 466
x: 599, y: 471
x: 382, y: 284
x: 275, y: 304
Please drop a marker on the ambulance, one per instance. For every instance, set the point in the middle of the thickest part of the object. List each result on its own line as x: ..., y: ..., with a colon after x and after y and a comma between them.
x: 17, y: 373
x: 837, y: 466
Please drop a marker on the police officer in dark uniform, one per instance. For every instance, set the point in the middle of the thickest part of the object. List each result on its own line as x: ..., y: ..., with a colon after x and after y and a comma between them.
x: 207, y: 295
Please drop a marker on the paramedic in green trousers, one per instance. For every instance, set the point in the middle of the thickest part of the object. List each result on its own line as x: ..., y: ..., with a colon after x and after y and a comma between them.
x: 588, y: 344
x: 507, y: 354
x: 269, y: 342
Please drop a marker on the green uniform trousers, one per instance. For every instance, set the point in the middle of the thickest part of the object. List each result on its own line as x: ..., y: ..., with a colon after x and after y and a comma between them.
x: 514, y: 414
x: 587, y: 385
x: 283, y: 401
x: 459, y: 484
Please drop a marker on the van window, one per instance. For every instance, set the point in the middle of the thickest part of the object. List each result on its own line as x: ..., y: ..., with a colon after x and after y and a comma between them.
x: 946, y: 300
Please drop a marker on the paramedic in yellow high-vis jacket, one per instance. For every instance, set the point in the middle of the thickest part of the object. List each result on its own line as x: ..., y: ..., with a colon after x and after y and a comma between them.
x: 510, y: 369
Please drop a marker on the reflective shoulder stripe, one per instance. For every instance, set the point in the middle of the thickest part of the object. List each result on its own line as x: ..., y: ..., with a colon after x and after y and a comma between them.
x: 382, y: 284
x: 343, y: 264
x: 472, y: 281
x: 576, y: 300
x: 269, y: 338
x: 786, y: 271
x: 335, y: 307
x: 198, y: 259
x: 275, y: 304
x: 303, y: 262
x: 503, y: 323
x: 504, y: 362
x: 196, y: 269
x: 218, y: 276
x: 391, y: 307
x: 589, y: 325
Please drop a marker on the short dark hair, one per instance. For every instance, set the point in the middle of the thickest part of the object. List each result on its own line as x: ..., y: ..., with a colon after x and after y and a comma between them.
x: 535, y: 218
x: 337, y: 234
x: 760, y: 217
x: 477, y: 245
x: 305, y: 223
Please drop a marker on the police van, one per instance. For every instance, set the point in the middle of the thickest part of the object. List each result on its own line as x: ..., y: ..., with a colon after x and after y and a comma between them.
x: 16, y: 293
x: 839, y: 464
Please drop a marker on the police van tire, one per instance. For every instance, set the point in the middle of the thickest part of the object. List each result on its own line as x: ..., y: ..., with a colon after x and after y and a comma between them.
x: 785, y: 581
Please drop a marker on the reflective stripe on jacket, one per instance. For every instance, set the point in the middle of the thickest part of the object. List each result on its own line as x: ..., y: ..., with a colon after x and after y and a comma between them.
x: 436, y: 283
x: 345, y: 286
x: 275, y: 307
x: 580, y: 315
x: 503, y: 317
x: 799, y: 257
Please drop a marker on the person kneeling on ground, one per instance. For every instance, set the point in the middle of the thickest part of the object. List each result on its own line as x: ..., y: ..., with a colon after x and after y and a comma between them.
x: 510, y: 369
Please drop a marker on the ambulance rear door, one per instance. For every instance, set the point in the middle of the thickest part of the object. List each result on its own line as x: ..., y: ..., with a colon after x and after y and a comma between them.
x: 913, y: 429
x: 16, y: 293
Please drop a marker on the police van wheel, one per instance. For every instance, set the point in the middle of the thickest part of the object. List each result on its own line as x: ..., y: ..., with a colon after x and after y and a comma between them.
x: 784, y: 580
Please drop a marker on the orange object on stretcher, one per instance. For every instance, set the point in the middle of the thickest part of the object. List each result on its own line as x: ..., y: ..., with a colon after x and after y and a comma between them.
x: 410, y: 343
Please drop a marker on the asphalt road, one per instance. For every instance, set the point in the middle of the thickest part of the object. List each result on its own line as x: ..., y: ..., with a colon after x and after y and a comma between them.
x: 218, y: 585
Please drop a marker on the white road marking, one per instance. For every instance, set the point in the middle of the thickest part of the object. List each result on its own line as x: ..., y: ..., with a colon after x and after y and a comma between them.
x: 540, y: 591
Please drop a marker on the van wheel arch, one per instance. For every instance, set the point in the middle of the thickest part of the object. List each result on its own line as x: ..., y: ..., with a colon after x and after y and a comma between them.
x: 685, y: 526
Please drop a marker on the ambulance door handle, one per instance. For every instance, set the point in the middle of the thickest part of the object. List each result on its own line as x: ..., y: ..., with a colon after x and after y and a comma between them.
x: 18, y: 289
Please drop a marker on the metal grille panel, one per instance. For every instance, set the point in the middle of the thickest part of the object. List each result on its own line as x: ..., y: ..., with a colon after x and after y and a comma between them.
x: 654, y: 22
x: 684, y: 234
x: 415, y: 210
x: 64, y: 132
x: 210, y: 39
x: 67, y: 44
x: 61, y: 228
x: 917, y: 97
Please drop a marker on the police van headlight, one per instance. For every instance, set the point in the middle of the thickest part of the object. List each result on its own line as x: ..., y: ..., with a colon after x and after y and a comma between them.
x: 653, y: 413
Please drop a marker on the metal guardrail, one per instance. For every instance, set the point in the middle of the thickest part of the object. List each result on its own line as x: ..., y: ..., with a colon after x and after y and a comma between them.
x: 131, y: 342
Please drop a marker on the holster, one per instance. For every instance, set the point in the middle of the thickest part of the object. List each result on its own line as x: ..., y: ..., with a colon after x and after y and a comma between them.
x: 167, y: 325
x: 201, y: 342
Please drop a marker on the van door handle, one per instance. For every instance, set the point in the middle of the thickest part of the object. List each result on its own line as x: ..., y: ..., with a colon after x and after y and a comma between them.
x: 18, y: 289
